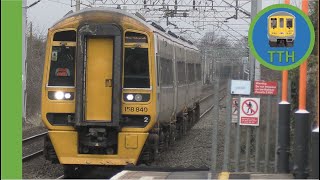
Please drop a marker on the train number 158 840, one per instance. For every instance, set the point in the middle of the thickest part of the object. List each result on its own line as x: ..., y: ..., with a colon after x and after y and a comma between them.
x: 136, y: 109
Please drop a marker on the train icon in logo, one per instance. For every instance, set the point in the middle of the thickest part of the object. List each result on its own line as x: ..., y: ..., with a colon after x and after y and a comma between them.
x: 281, y: 29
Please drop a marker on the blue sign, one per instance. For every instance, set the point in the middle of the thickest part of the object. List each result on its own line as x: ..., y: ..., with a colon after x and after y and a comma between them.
x: 281, y: 37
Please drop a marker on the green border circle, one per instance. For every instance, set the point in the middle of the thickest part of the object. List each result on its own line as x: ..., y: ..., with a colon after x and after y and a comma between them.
x: 300, y: 61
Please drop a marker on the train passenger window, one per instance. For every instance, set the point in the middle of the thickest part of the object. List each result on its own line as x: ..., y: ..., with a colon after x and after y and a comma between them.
x: 289, y: 23
x: 62, y: 66
x: 136, y: 68
x: 274, y: 22
x: 191, y: 74
x: 166, y: 72
x: 198, y: 72
x: 181, y: 72
x: 281, y: 23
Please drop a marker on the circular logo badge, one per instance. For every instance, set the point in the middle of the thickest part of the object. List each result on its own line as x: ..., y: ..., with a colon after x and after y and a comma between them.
x: 281, y: 37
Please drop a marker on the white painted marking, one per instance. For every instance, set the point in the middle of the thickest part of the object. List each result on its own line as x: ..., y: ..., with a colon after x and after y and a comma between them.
x: 119, y: 175
x: 147, y: 178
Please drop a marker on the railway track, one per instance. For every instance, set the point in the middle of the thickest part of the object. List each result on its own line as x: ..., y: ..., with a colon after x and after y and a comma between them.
x: 212, y: 106
x: 34, y: 137
x: 29, y: 140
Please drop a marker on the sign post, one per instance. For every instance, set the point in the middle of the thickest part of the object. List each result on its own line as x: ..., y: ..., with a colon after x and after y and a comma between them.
x: 249, y: 111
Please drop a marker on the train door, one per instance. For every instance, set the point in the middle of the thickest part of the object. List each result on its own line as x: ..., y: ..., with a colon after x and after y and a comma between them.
x: 281, y: 26
x: 99, y: 71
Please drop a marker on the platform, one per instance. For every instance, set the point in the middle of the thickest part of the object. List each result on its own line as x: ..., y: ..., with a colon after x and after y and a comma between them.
x: 147, y: 175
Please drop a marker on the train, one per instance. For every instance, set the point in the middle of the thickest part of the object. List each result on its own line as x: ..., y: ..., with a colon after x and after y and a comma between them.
x: 281, y: 29
x: 117, y: 90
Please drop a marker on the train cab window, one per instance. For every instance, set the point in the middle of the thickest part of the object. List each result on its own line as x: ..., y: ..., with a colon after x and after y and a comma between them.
x: 62, y: 66
x: 281, y: 22
x: 289, y: 23
x: 65, y: 36
x: 136, y: 68
x: 274, y: 22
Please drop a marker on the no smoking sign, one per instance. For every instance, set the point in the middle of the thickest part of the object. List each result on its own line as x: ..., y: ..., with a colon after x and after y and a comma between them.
x: 250, y: 111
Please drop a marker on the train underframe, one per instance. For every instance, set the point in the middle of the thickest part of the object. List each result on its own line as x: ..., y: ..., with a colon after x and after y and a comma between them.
x: 159, y: 139
x: 281, y: 43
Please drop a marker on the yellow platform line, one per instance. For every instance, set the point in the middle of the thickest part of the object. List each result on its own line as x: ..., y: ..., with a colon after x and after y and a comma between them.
x: 224, y: 175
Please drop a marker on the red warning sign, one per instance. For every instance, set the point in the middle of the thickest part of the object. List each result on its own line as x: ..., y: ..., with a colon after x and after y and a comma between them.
x: 250, y: 111
x: 265, y: 87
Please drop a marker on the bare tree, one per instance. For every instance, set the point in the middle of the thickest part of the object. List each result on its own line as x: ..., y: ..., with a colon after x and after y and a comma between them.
x: 35, y: 62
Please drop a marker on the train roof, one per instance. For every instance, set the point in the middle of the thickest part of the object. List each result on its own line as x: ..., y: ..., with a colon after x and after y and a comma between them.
x: 153, y: 27
x: 281, y: 13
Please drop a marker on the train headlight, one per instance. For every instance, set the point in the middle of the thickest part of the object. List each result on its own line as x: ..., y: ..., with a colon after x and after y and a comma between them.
x: 59, y: 95
x: 130, y: 97
x: 67, y: 95
x: 138, y: 97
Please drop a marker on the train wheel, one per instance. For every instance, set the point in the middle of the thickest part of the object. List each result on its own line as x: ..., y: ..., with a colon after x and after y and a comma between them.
x: 190, y: 119
x: 161, y: 142
x: 173, y: 134
x: 289, y: 44
x: 282, y: 43
x: 185, y: 125
x: 197, y: 117
x: 180, y: 129
x: 49, y: 152
x: 273, y: 44
x: 71, y: 172
x: 194, y: 117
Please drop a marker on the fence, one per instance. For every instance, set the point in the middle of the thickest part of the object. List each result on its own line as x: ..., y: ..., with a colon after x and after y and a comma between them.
x: 239, y: 148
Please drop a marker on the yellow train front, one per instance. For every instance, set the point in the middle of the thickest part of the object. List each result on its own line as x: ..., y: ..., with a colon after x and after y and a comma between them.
x: 281, y: 29
x: 116, y: 90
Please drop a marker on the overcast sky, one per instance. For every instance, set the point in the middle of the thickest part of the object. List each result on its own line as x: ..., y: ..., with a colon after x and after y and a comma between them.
x: 44, y: 14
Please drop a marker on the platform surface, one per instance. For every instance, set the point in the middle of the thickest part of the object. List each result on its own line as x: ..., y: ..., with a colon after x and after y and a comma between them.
x: 148, y: 175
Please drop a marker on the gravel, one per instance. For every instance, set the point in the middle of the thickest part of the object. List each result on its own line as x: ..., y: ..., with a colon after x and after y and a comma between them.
x: 40, y: 168
x: 194, y: 149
